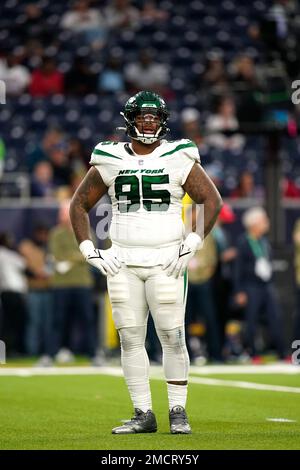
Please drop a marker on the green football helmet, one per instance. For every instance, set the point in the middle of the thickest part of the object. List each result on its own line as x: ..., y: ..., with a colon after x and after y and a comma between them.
x: 143, y: 103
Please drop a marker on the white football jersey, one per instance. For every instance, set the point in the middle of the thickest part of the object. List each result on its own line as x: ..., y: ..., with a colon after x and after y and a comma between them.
x: 146, y: 194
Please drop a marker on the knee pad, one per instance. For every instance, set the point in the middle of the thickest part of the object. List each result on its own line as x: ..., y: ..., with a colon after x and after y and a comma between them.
x: 132, y: 338
x: 173, y: 340
x: 175, y: 356
x: 134, y: 358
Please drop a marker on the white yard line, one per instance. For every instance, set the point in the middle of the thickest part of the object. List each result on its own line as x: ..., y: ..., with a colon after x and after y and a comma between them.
x: 276, y: 368
x: 281, y: 420
x: 244, y: 385
x: 36, y: 371
x: 157, y: 375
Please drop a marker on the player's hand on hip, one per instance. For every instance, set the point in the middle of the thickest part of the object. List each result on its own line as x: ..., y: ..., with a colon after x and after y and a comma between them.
x: 177, y: 265
x: 104, y: 260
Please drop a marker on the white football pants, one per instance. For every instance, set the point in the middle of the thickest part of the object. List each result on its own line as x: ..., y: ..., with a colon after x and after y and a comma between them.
x: 133, y: 292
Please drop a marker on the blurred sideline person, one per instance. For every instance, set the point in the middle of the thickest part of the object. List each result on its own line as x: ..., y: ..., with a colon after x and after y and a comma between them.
x: 72, y: 288
x: 39, y: 334
x: 254, y: 289
x: 223, y: 276
x: 296, y: 237
x: 146, y: 180
x: 13, y: 288
x: 201, y: 302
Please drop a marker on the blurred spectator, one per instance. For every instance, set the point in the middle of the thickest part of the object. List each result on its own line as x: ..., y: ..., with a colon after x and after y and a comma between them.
x: 216, y: 175
x: 244, y: 73
x: 224, y: 120
x: 34, y: 51
x: 120, y: 15
x: 246, y: 187
x: 190, y: 118
x: 279, y: 14
x: 215, y: 76
x: 111, y: 79
x: 15, y: 75
x: 296, y: 238
x: 80, y: 80
x: 46, y: 80
x: 72, y: 287
x: 13, y: 288
x: 39, y: 334
x: 32, y: 25
x: 51, y: 138
x: 290, y: 189
x: 201, y: 298
x: 42, y: 180
x: 276, y: 28
x: 145, y: 74
x: 151, y: 14
x: 58, y: 157
x: 77, y: 155
x: 254, y: 289
x: 223, y: 276
x: 86, y: 22
x: 248, y: 89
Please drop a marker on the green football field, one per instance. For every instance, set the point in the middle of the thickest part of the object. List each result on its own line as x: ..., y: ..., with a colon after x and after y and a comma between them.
x: 227, y: 410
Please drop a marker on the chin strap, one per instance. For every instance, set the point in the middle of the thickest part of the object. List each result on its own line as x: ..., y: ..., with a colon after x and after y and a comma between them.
x: 150, y: 139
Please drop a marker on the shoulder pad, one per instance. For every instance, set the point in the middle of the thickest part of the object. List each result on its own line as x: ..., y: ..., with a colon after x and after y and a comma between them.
x: 106, y: 150
x: 182, y: 146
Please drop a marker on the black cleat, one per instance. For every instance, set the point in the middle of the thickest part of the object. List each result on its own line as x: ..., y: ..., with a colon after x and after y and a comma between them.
x: 179, y: 421
x: 141, y: 422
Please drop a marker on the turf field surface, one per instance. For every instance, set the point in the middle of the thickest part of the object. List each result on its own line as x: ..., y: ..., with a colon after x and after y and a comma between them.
x: 76, y: 408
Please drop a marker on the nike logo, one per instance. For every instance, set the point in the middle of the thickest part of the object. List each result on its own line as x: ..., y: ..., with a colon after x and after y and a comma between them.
x: 95, y: 257
x: 183, y: 254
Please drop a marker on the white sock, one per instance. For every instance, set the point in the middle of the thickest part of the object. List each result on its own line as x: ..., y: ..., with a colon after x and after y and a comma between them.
x: 135, y: 363
x: 177, y: 395
x: 139, y: 390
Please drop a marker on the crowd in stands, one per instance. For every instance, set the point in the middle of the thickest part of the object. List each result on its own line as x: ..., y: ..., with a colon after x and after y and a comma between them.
x: 223, y: 68
x: 219, y: 66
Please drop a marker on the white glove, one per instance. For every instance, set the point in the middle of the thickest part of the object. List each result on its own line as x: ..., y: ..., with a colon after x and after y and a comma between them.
x: 103, y: 260
x: 177, y: 265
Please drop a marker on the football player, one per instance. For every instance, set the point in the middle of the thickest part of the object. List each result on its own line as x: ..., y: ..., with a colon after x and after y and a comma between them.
x: 146, y: 265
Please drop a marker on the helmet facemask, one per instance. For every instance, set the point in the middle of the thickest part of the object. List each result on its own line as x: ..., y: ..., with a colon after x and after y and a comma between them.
x: 147, y: 126
x: 146, y: 120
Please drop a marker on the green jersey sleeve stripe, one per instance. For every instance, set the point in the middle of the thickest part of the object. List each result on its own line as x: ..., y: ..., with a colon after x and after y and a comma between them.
x: 106, y: 154
x: 179, y: 147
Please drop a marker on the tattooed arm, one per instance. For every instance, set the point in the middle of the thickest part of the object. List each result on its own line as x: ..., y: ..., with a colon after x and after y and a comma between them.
x: 203, y: 191
x: 91, y: 189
